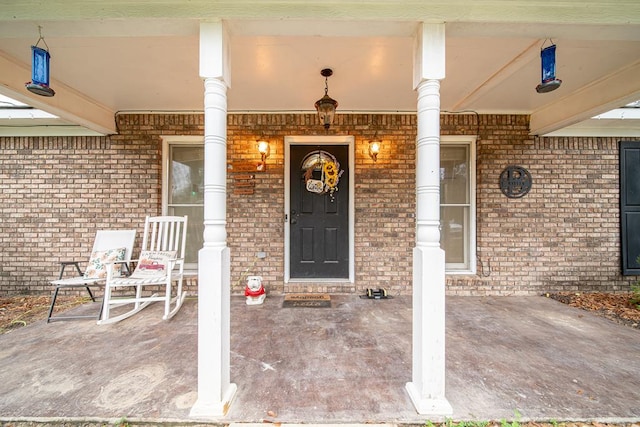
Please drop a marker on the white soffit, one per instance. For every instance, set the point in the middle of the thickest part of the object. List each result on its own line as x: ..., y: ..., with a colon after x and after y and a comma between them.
x: 619, y: 122
x: 20, y: 119
x: 125, y: 55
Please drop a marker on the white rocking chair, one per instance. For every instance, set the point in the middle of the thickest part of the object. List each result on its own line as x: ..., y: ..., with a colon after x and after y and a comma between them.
x: 161, y: 264
x: 108, y: 245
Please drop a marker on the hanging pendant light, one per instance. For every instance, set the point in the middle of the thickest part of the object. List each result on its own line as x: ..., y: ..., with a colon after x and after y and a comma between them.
x: 548, y: 65
x: 39, y: 83
x: 326, y: 106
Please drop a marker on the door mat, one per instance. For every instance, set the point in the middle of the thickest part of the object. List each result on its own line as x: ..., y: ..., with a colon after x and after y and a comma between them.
x: 307, y: 300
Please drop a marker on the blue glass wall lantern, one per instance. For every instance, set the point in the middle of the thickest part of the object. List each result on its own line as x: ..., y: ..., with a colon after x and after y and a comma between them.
x: 39, y: 83
x: 548, y: 59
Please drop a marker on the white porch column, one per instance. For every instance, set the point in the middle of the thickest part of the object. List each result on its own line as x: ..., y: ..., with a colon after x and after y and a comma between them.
x: 427, y: 386
x: 215, y: 390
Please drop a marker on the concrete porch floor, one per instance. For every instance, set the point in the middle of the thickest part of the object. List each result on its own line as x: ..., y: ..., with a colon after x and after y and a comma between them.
x: 344, y: 364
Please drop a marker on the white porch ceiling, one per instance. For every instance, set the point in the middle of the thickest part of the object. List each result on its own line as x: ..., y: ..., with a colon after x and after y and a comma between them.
x: 123, y: 56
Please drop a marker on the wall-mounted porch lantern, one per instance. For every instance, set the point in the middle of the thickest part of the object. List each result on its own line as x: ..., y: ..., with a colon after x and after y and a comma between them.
x: 326, y: 106
x: 39, y: 83
x: 263, y: 149
x: 548, y: 66
x: 374, y: 147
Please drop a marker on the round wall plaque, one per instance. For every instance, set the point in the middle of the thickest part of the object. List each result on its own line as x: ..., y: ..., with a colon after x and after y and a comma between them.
x: 515, y: 181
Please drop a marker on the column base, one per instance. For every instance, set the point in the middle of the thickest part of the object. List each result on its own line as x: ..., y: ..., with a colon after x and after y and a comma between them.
x: 424, y: 406
x: 209, y: 410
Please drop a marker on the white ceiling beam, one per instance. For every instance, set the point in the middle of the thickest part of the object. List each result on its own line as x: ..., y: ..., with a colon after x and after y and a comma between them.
x: 499, y: 76
x: 612, y: 91
x: 68, y: 104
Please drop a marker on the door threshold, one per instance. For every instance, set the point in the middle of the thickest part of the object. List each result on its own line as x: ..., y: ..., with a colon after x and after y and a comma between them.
x: 325, y: 286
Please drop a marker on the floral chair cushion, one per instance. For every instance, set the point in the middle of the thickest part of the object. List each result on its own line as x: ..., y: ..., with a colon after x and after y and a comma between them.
x: 97, y: 268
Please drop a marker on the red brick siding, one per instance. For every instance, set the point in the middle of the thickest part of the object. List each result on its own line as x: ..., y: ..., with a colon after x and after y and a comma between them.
x: 384, y: 200
x: 57, y: 191
x: 564, y: 235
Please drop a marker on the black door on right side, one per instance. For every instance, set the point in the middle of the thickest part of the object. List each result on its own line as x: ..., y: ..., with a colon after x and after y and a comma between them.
x: 630, y: 206
x: 318, y: 222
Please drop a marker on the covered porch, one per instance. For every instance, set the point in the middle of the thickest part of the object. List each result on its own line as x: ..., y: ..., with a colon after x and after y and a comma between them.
x: 344, y: 364
x: 200, y: 49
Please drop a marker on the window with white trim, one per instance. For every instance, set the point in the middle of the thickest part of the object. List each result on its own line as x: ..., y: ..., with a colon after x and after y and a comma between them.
x: 183, y: 189
x: 457, y: 203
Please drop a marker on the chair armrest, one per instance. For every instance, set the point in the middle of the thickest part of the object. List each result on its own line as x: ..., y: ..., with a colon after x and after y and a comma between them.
x: 178, y: 265
x: 64, y: 264
x: 127, y: 265
x: 124, y: 261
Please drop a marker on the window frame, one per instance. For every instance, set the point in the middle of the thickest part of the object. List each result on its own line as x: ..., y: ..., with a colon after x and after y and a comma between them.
x: 169, y: 141
x: 470, y: 237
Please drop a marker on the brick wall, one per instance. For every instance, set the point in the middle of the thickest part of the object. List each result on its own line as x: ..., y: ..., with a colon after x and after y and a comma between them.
x: 57, y: 191
x: 384, y: 200
x: 564, y: 235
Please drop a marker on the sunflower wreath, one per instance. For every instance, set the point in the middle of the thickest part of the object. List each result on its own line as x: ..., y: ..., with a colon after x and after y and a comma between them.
x: 329, y: 176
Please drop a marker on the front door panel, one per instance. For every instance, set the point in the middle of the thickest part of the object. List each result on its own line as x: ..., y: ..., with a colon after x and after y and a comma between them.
x: 319, y: 221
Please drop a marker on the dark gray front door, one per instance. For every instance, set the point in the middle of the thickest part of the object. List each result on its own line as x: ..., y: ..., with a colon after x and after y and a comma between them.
x: 630, y: 206
x: 319, y: 216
